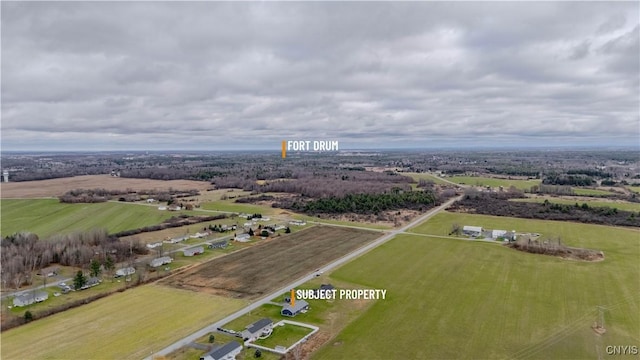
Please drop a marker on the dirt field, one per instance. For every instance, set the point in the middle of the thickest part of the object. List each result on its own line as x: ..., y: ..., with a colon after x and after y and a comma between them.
x: 260, y: 269
x: 57, y: 187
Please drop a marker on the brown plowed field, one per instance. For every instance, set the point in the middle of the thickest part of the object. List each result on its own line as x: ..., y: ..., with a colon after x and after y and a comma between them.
x: 263, y: 268
x: 57, y: 187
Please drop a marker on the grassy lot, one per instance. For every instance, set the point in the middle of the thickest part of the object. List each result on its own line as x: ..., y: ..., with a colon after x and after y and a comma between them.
x: 339, y: 222
x: 635, y: 189
x: 487, y: 181
x: 626, y: 206
x: 128, y: 325
x: 590, y: 192
x: 46, y: 217
x: 464, y: 299
x: 231, y: 206
x: 285, y: 335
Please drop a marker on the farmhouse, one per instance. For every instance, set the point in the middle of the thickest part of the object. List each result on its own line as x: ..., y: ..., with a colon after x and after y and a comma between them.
x: 219, y: 244
x: 298, y: 307
x: 193, y: 251
x: 261, y: 328
x: 30, y: 298
x: 243, y: 237
x: 472, y: 230
x: 49, y: 271
x: 125, y: 271
x: 160, y: 261
x: 227, y: 351
x: 91, y: 282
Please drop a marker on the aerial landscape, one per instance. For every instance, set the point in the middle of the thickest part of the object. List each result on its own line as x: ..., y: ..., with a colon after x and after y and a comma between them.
x: 306, y: 180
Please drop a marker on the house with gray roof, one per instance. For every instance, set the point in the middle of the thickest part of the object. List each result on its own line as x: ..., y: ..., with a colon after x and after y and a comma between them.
x: 160, y: 261
x: 228, y: 351
x: 30, y: 298
x: 298, y: 307
x: 218, y: 244
x: 260, y: 328
x: 193, y: 251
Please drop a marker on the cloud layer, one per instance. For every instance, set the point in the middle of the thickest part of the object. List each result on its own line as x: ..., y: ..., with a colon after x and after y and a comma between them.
x: 218, y: 75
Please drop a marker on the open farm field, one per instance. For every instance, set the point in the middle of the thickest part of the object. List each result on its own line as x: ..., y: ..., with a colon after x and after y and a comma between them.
x: 259, y: 269
x: 620, y: 205
x: 48, y: 216
x: 493, y: 182
x: 472, y: 300
x: 128, y: 325
x: 232, y: 206
x: 57, y: 187
x: 590, y: 192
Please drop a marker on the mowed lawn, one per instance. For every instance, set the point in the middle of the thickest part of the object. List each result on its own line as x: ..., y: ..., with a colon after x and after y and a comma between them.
x: 128, y: 325
x: 48, y: 216
x: 487, y: 181
x: 456, y: 299
x: 626, y: 206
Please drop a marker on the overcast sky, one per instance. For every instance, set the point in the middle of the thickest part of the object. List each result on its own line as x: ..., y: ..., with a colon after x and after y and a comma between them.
x: 209, y: 75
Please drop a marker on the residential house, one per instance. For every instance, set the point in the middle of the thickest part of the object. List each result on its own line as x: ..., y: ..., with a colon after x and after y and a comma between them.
x: 259, y: 329
x: 193, y: 251
x: 219, y: 244
x: 30, y: 298
x: 91, y: 282
x: 49, y: 271
x: 298, y: 307
x: 154, y: 245
x: 242, y: 237
x: 125, y: 271
x: 472, y: 230
x: 160, y: 261
x: 297, y: 222
x: 228, y: 351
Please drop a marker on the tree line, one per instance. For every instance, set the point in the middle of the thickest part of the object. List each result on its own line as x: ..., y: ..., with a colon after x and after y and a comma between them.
x: 363, y: 203
x: 498, y: 205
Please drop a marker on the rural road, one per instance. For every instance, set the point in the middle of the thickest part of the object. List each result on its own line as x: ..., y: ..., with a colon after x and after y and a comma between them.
x: 386, y: 237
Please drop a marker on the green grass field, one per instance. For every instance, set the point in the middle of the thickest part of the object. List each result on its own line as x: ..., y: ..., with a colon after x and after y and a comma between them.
x: 128, y: 325
x: 635, y: 189
x: 453, y: 299
x: 626, y: 206
x: 46, y: 217
x: 590, y: 192
x: 486, y: 181
x: 231, y: 206
x: 339, y: 222
x: 286, y: 336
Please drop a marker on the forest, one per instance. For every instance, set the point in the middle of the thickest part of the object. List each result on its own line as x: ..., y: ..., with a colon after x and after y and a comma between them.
x: 364, y: 203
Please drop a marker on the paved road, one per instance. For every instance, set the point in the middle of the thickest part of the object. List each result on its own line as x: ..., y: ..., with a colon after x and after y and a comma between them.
x: 386, y: 237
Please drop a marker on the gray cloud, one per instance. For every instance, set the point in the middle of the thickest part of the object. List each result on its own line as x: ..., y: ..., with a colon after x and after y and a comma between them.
x: 216, y: 75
